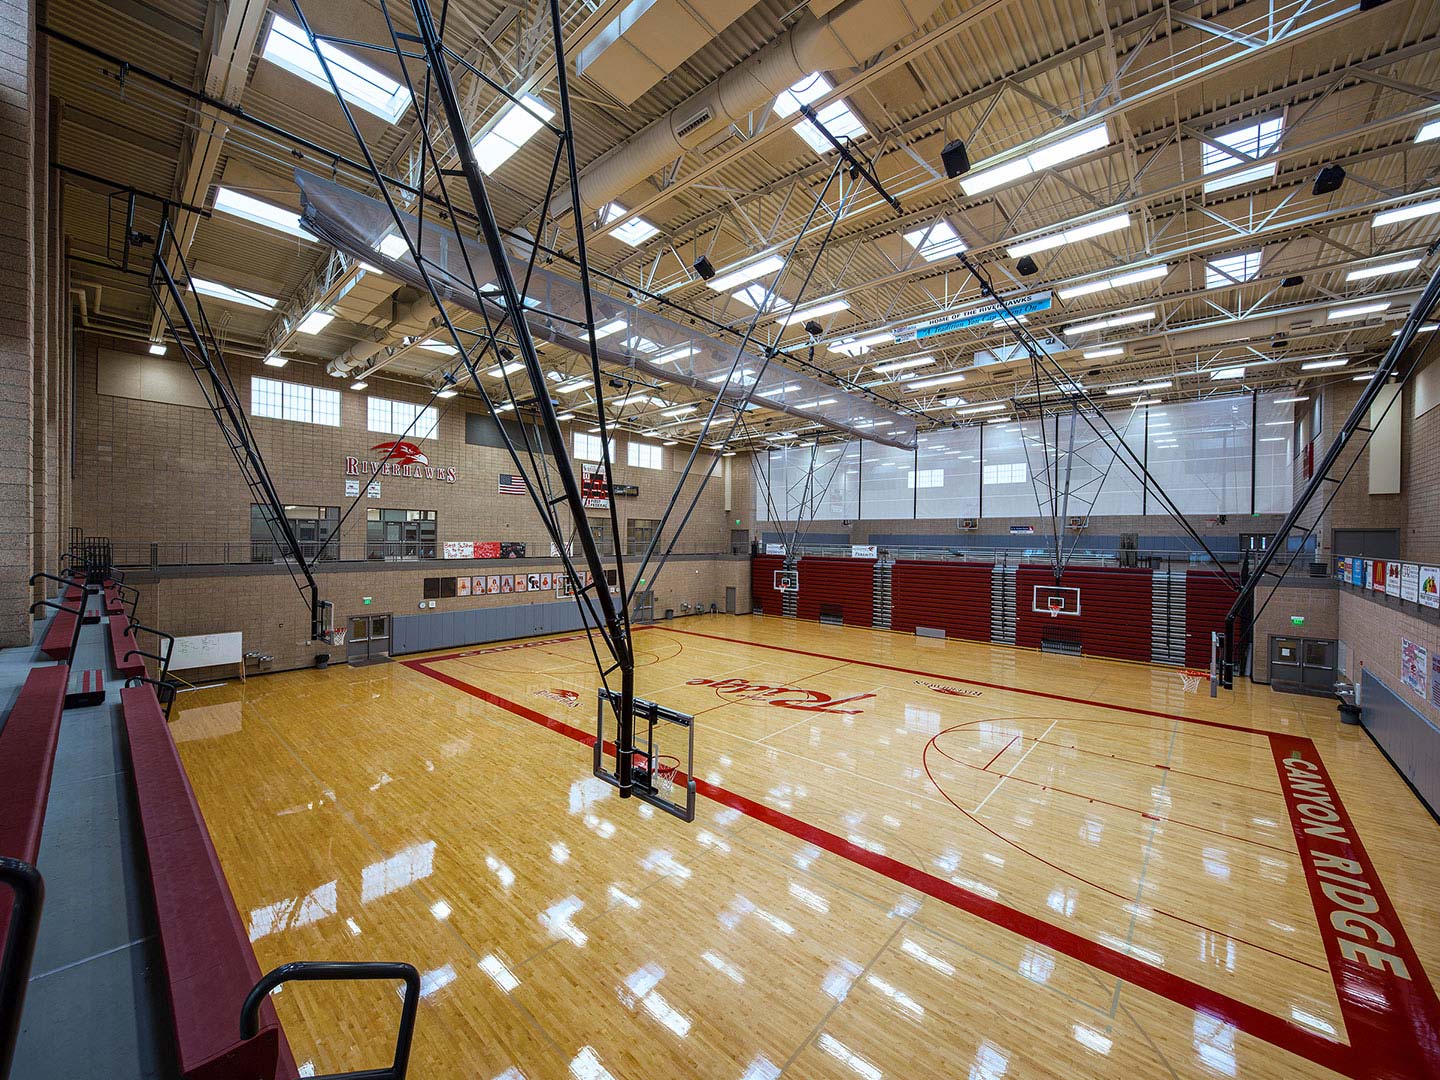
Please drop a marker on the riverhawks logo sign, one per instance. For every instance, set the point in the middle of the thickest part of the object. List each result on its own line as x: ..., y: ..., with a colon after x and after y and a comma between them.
x: 781, y: 697
x: 399, y: 458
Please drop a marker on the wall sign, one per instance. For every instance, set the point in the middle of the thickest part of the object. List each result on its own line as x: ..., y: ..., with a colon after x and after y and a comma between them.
x: 1435, y: 679
x: 1430, y: 586
x: 398, y: 458
x: 1414, y: 665
x: 352, y: 489
x: 977, y: 316
x: 372, y: 489
x: 1021, y: 530
x: 1392, y: 578
x: 1410, y: 582
x: 864, y: 551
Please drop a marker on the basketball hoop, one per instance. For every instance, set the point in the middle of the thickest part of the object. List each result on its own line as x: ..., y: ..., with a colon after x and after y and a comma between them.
x: 1191, y: 680
x: 1057, y: 605
x: 333, y: 637
x: 666, y: 769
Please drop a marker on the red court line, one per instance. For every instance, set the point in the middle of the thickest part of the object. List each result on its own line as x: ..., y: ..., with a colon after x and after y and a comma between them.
x: 986, y: 766
x: 958, y: 679
x: 1247, y: 1018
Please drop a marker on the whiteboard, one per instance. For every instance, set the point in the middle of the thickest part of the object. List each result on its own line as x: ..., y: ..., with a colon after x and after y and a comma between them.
x: 207, y: 650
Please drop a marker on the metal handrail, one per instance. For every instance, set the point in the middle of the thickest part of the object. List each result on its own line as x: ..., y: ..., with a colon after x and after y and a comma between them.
x: 79, y: 614
x: 337, y: 970
x: 18, y: 950
x: 169, y: 640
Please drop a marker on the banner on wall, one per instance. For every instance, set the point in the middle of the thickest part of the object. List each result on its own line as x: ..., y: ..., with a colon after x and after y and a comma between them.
x: 1430, y: 586
x: 774, y: 549
x: 1392, y: 579
x: 864, y: 551
x: 1357, y: 571
x: 482, y: 549
x: 458, y: 549
x: 1342, y: 569
x: 1410, y: 583
x: 1414, y: 665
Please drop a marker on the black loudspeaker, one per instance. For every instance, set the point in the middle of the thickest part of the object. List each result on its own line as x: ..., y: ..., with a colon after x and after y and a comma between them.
x: 704, y: 268
x: 1026, y: 266
x: 1330, y: 179
x: 1291, y: 282
x: 956, y: 159
x: 813, y: 328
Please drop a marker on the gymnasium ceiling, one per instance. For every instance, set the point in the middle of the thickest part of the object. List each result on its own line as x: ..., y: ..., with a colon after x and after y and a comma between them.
x: 1163, y: 81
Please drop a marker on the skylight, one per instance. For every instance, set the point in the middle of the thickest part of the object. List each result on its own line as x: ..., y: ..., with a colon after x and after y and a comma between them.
x: 315, y: 322
x: 286, y: 46
x: 936, y: 242
x: 633, y: 232
x: 1256, y: 140
x: 811, y: 88
x: 836, y: 116
x: 258, y: 212
x: 1067, y: 149
x: 235, y: 296
x: 512, y: 131
x: 1231, y: 269
x: 1070, y: 236
x: 437, y: 347
x: 392, y: 246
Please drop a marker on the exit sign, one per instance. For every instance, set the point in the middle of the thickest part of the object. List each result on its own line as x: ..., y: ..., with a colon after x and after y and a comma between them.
x: 366, y: 599
x: 1297, y: 620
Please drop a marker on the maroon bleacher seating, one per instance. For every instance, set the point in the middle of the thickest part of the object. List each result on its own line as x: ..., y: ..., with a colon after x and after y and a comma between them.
x: 56, y: 642
x: 113, y: 604
x: 209, y: 964
x: 122, y: 643
x: 27, y: 755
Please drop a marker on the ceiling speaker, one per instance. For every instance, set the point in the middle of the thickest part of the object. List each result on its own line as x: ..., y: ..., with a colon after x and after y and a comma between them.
x: 1026, y: 266
x: 955, y: 158
x: 1291, y: 282
x: 1330, y: 179
x: 704, y: 267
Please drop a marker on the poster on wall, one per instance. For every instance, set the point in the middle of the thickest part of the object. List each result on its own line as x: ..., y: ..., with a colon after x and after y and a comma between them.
x: 1374, y: 575
x: 1357, y: 571
x: 555, y: 548
x: 562, y: 586
x: 492, y: 583
x: 352, y: 489
x: 372, y: 489
x: 1392, y: 578
x: 507, y: 583
x: 458, y: 549
x: 1414, y: 665
x: 774, y: 549
x: 1435, y: 679
x: 462, y: 586
x: 487, y: 549
x: 480, y: 585
x: 1342, y: 569
x: 1430, y: 586
x: 1410, y: 583
x: 533, y: 582
x: 512, y: 549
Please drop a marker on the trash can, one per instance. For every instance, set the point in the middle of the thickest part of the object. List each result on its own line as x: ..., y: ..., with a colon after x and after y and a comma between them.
x: 1349, y: 710
x: 322, y: 660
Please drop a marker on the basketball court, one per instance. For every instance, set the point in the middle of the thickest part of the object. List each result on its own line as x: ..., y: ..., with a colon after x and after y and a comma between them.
x: 941, y: 859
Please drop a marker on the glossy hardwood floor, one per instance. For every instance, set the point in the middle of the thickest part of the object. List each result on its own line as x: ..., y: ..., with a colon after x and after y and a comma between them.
x: 912, y: 858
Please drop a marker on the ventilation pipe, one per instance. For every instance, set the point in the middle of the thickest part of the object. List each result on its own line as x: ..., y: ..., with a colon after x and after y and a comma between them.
x: 408, y: 306
x: 845, y: 38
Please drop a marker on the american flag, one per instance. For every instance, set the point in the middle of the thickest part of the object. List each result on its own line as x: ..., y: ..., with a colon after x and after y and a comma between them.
x: 512, y: 485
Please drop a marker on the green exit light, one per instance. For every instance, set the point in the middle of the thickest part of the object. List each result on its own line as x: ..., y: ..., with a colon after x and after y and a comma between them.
x: 366, y: 599
x: 1297, y: 620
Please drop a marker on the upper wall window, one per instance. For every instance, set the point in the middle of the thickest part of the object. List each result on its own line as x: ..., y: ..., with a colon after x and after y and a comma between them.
x: 397, y: 418
x: 644, y: 455
x: 588, y: 447
x: 360, y: 84
x: 1254, y: 141
x: 280, y: 400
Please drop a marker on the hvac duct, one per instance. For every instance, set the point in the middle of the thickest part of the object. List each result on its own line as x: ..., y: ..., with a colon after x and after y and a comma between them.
x: 1305, y: 321
x: 846, y: 37
x: 408, y: 307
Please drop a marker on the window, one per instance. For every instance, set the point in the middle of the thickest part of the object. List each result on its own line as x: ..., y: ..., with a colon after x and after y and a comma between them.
x: 287, y: 47
x: 639, y: 533
x: 1231, y: 269
x: 396, y: 418
x: 936, y: 242
x: 587, y: 447
x: 399, y: 535
x: 927, y: 478
x: 258, y: 212
x: 1011, y: 473
x: 277, y: 400
x: 512, y: 131
x: 604, y: 538
x: 634, y: 232
x: 837, y: 117
x: 312, y: 526
x: 644, y: 455
x: 1256, y: 140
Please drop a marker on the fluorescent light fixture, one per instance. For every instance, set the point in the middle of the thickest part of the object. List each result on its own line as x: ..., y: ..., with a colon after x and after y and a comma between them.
x: 1363, y: 377
x: 287, y: 47
x: 938, y: 380
x: 1073, y: 235
x: 679, y: 410
x: 1128, y: 277
x: 819, y: 311
x: 1405, y: 213
x: 446, y: 393
x: 1428, y: 131
x: 1101, y: 354
x: 1273, y: 438
x: 669, y: 442
x: 640, y: 343
x: 759, y: 296
x: 258, y: 212
x: 634, y: 232
x: 861, y: 345
x: 1359, y: 311
x: 1146, y: 388
x: 728, y: 453
x: 1231, y: 269
x: 777, y: 391
x: 1067, y: 149
x: 158, y: 348
x: 565, y: 416
x: 315, y: 322
x: 276, y: 360
x: 571, y: 386
x: 501, y: 370
x: 1254, y: 140
x: 1320, y: 365
x: 902, y: 365
x: 1108, y: 323
x: 361, y: 385
x: 512, y: 131
x: 937, y: 242
x: 1291, y: 400
x: 1381, y: 270
x: 682, y: 353
x: 438, y: 347
x: 761, y: 268
x: 234, y: 296
x: 1228, y: 373
x: 975, y: 410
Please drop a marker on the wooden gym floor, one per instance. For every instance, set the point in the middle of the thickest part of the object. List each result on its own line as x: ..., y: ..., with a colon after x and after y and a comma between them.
x: 911, y: 858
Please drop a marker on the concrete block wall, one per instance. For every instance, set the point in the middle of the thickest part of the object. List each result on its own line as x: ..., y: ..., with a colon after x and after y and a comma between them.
x: 1373, y: 627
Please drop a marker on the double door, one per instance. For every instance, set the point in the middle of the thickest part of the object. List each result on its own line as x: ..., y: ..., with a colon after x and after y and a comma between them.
x: 1303, y: 665
x: 368, y: 638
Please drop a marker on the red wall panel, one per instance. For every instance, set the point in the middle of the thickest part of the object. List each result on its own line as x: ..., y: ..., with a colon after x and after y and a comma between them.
x: 845, y: 583
x: 950, y: 596
x: 763, y: 594
x: 1115, y: 611
x: 1208, y: 597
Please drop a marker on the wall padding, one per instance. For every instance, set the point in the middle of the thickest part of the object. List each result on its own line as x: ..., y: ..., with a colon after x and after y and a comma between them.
x: 949, y: 596
x: 848, y: 584
x: 1115, y: 611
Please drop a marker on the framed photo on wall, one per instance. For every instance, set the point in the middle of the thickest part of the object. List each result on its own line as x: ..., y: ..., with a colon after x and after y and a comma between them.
x: 545, y: 580
x: 520, y: 584
x: 493, y: 583
x: 462, y: 586
x: 534, y: 582
x: 507, y: 583
x: 480, y: 586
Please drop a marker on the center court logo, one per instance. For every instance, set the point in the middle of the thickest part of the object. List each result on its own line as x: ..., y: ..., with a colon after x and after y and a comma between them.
x: 781, y: 697
x: 949, y: 691
x: 569, y: 698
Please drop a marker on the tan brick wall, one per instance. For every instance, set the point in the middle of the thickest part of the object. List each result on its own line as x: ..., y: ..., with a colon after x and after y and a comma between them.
x: 1316, y: 601
x: 1420, y: 480
x: 1372, y: 629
